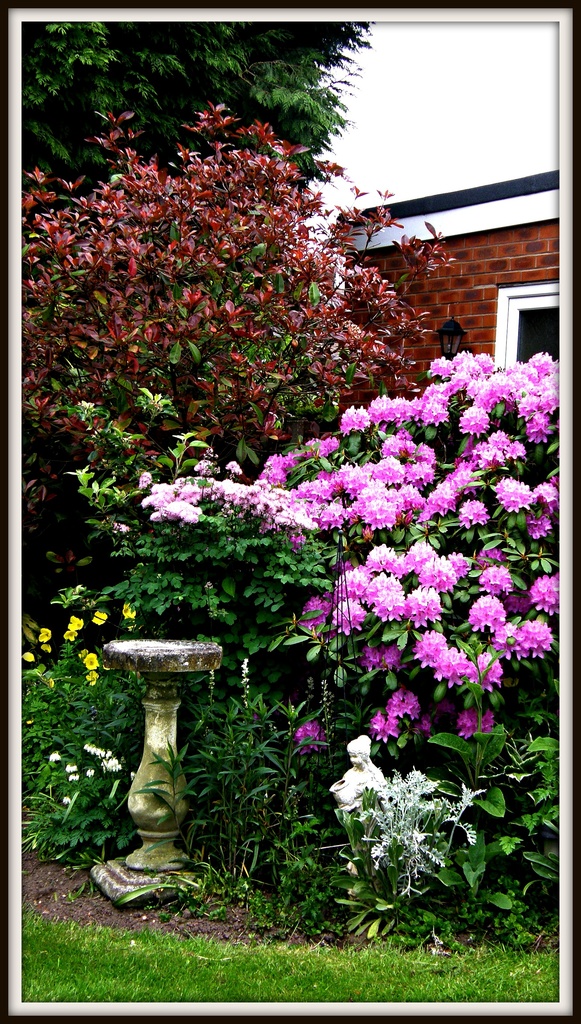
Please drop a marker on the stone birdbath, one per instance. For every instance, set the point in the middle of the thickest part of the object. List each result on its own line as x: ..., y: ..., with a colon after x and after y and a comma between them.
x: 160, y: 663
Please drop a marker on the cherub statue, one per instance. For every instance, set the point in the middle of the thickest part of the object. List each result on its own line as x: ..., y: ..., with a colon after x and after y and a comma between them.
x: 362, y: 775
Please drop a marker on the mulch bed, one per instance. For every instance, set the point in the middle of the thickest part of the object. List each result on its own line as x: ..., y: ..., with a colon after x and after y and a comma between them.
x: 64, y: 894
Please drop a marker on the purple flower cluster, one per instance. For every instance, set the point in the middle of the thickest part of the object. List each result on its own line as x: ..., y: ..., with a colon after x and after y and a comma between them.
x: 310, y: 731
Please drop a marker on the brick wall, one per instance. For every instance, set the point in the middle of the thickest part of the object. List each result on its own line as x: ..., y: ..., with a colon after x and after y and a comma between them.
x: 468, y: 288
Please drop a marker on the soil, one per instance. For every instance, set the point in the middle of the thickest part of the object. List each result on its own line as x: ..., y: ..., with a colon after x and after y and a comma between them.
x: 67, y: 894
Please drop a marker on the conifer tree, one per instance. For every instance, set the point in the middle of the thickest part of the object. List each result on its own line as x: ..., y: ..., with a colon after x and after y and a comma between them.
x: 288, y: 74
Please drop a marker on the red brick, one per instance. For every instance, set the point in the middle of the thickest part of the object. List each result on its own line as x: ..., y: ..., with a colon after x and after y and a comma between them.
x: 524, y: 262
x: 539, y: 246
x: 497, y: 266
x: 549, y: 230
x: 540, y: 275
x: 546, y: 261
x: 528, y: 231
x: 485, y: 252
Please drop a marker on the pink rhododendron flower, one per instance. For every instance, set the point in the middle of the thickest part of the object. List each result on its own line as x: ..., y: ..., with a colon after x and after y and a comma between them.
x: 321, y: 604
x: 467, y: 723
x: 513, y: 495
x: 430, y: 649
x: 533, y: 639
x: 144, y: 481
x: 487, y: 611
x: 403, y: 702
x: 496, y: 579
x: 349, y: 616
x: 386, y: 597
x: 381, y: 657
x: 474, y: 421
x: 539, y: 526
x: 547, y: 494
x: 381, y: 727
x: 491, y: 671
x: 310, y: 730
x: 382, y: 558
x: 423, y: 606
x: 472, y: 513
x: 354, y: 419
x: 453, y: 665
x: 544, y: 594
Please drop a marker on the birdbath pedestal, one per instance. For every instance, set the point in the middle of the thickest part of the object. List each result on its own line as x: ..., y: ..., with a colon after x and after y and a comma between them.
x: 160, y: 663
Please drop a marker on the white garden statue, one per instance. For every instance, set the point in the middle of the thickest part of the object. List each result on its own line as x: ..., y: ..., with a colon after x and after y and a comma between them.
x: 362, y: 775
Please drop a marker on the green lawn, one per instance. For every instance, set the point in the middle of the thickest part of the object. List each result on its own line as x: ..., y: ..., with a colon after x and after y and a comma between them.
x: 63, y: 962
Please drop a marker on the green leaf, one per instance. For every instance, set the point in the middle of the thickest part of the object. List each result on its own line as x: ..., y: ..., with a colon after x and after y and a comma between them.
x: 259, y: 250
x: 195, y: 352
x: 453, y: 742
x: 174, y: 232
x: 473, y: 874
x: 175, y: 353
x: 314, y: 294
x: 402, y: 641
x: 493, y: 803
x: 499, y: 899
x: 493, y: 743
x: 544, y: 743
x: 229, y: 586
x: 449, y: 877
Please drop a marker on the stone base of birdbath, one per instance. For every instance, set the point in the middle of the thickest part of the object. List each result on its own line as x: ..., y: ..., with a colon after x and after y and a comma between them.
x: 158, y: 819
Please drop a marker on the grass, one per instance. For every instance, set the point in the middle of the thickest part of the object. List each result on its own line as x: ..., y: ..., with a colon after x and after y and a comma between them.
x: 64, y: 962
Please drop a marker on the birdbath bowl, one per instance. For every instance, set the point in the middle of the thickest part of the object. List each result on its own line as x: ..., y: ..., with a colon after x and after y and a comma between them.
x: 158, y: 819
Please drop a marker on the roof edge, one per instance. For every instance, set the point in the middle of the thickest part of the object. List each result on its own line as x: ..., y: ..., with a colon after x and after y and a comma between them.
x: 544, y: 182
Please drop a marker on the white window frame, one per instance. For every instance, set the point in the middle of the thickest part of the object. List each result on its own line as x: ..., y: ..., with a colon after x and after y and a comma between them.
x: 511, y: 300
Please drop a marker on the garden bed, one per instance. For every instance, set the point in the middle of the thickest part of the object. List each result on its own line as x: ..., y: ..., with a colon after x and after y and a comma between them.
x: 61, y: 893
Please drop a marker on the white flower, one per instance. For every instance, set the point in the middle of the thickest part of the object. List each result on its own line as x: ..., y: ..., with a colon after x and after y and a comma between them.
x: 111, y: 764
x: 95, y: 750
x: 71, y: 768
x: 73, y: 778
x: 90, y: 772
x: 55, y: 756
x: 66, y: 800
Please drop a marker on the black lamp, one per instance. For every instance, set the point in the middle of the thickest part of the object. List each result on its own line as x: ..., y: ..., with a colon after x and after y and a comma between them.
x: 451, y: 335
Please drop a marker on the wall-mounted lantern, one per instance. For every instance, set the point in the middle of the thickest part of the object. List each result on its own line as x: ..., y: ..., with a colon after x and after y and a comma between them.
x: 451, y: 335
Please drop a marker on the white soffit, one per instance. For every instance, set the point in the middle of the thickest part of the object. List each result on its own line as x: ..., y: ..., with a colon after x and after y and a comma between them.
x: 501, y: 213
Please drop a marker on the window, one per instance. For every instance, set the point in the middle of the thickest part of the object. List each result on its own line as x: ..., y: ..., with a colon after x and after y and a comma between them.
x: 527, y: 322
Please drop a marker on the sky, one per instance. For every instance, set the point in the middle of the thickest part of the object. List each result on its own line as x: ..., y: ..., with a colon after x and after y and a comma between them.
x: 443, y: 106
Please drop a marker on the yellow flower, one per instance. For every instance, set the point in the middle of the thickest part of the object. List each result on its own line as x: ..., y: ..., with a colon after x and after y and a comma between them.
x: 99, y: 618
x: 83, y: 654
x: 75, y: 623
x: 92, y: 678
x: 50, y: 682
x: 28, y: 656
x: 46, y: 647
x: 70, y: 634
x: 128, y: 612
x: 44, y: 636
x: 29, y: 721
x: 91, y: 662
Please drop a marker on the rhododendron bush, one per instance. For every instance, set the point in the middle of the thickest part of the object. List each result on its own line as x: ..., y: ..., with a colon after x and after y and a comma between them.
x: 445, y: 507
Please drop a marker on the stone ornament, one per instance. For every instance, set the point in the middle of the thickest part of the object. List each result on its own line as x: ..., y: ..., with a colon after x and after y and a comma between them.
x: 362, y: 775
